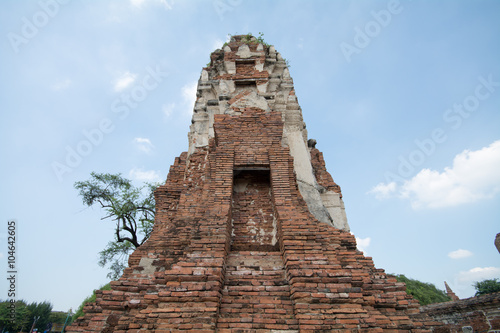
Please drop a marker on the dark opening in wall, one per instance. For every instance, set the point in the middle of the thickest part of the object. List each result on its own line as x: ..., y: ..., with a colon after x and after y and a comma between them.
x: 254, y: 226
x: 245, y: 85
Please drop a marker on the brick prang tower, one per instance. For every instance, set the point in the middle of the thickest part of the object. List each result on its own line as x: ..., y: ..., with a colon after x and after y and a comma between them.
x: 250, y: 231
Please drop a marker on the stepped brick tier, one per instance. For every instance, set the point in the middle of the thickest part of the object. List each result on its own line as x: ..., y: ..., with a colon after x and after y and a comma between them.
x: 250, y: 232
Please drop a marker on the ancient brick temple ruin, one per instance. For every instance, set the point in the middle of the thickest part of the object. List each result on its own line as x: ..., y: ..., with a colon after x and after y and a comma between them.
x: 251, y: 233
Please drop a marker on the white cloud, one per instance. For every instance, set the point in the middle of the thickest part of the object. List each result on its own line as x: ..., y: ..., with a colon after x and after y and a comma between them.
x: 463, y: 282
x: 363, y: 243
x: 150, y: 176
x: 300, y: 44
x: 473, y: 176
x: 478, y: 274
x: 189, y: 96
x: 383, y: 191
x: 165, y: 3
x: 61, y: 85
x: 460, y: 254
x: 124, y: 81
x: 137, y: 3
x: 168, y: 109
x: 144, y: 144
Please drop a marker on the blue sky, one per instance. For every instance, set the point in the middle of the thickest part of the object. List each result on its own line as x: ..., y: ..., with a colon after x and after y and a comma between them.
x: 402, y: 97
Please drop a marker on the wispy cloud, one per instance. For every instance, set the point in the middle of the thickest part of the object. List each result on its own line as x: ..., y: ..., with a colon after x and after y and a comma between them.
x: 143, y: 144
x: 168, y: 109
x: 300, y: 44
x: 189, y: 96
x: 459, y: 254
x: 463, y: 281
x: 137, y: 3
x: 473, y: 176
x: 167, y: 4
x: 478, y: 274
x: 140, y: 175
x: 124, y: 81
x: 363, y: 243
x: 61, y: 85
x: 384, y: 191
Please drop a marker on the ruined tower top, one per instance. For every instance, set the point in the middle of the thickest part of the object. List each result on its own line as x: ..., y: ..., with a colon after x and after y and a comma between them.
x: 248, y: 73
x: 450, y: 292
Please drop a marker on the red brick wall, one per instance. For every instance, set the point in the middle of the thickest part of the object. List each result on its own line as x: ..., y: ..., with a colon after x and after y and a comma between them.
x: 482, y: 313
x: 254, y: 225
x: 177, y: 280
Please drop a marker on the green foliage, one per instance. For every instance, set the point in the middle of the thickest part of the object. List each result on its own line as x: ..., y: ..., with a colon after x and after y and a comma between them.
x: 24, y: 314
x: 132, y: 208
x: 115, y: 254
x: 250, y: 39
x: 20, y: 312
x: 487, y: 287
x: 260, y: 39
x: 58, y: 317
x: 425, y: 293
x: 91, y: 298
x: 41, y: 311
x: 247, y: 39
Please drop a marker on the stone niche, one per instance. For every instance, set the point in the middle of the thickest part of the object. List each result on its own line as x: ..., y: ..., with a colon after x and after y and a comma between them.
x: 253, y: 217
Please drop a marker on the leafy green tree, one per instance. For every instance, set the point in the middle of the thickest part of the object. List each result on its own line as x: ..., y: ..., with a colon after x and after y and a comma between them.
x: 41, y: 311
x: 24, y: 315
x: 91, y: 298
x: 58, y: 317
x: 424, y: 293
x: 487, y: 287
x: 20, y: 313
x: 131, y: 208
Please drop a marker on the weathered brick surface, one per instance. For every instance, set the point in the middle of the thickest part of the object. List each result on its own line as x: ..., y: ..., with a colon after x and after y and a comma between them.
x: 322, y: 175
x: 234, y: 246
x: 256, y: 293
x: 481, y: 313
x: 253, y: 222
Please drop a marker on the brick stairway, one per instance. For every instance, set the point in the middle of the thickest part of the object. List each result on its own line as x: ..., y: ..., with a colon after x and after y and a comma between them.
x: 256, y: 295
